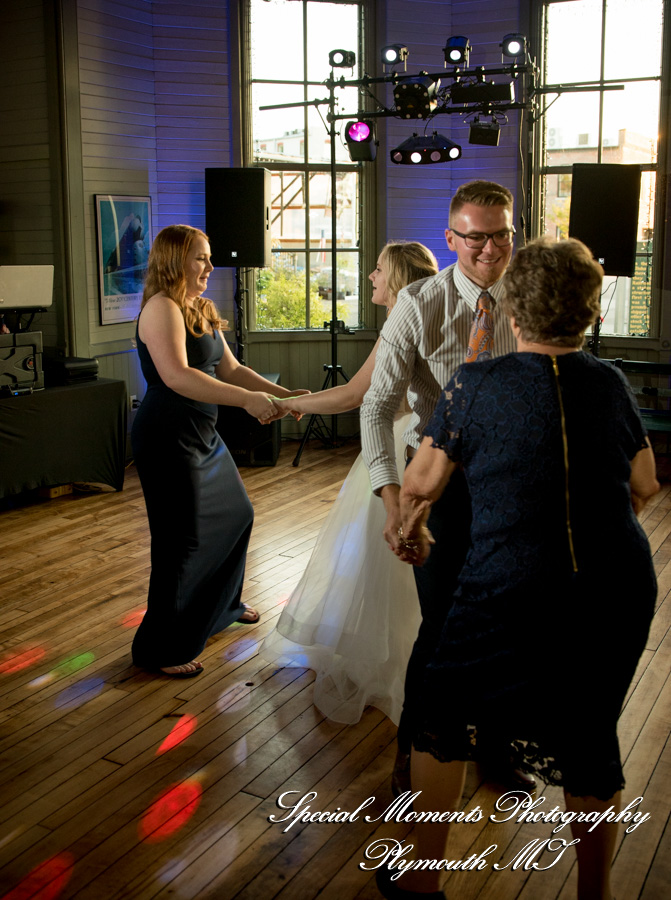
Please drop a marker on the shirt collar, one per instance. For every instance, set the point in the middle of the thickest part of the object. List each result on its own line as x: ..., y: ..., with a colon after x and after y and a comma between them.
x: 469, y: 291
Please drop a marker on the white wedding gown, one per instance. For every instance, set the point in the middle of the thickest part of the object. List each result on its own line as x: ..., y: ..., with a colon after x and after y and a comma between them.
x: 354, y: 615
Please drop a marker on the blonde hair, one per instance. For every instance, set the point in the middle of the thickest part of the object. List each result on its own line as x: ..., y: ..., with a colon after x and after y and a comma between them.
x: 553, y: 289
x: 406, y: 261
x: 166, y: 274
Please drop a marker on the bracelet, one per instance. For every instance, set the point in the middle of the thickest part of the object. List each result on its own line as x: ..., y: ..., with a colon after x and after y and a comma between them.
x: 407, y: 545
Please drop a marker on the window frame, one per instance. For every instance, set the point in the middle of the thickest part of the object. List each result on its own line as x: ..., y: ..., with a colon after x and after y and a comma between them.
x: 659, y: 319
x: 366, y: 200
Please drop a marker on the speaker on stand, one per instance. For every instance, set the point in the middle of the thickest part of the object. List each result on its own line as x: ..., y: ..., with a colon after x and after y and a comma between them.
x: 604, y: 216
x: 237, y: 221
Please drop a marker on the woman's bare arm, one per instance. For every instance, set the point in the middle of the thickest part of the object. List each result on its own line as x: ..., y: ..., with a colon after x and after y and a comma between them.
x: 643, y: 480
x: 163, y: 331
x: 337, y: 399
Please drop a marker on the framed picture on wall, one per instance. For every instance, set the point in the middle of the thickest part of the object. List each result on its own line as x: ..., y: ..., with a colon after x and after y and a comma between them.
x: 123, y: 227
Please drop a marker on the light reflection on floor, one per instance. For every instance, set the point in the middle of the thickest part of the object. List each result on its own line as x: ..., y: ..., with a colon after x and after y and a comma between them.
x: 79, y: 693
x: 181, y: 730
x: 170, y: 811
x: 17, y: 660
x: 47, y: 881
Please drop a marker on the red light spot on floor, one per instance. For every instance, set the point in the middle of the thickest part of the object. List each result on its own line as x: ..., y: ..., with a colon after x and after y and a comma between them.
x: 16, y: 661
x: 46, y: 882
x: 180, y: 732
x: 170, y: 811
x: 133, y: 619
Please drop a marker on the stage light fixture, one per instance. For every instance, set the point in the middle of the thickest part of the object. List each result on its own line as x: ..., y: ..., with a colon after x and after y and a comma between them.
x: 360, y: 138
x: 416, y: 97
x: 514, y: 45
x: 457, y: 50
x: 482, y: 92
x: 484, y: 133
x: 393, y: 54
x: 342, y: 59
x: 425, y: 150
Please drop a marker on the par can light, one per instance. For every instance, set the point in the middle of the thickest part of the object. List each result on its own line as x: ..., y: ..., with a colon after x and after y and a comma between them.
x: 393, y: 54
x: 457, y: 50
x: 514, y: 45
x: 342, y: 59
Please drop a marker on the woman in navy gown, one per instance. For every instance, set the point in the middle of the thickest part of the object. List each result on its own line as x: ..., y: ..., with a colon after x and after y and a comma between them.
x: 200, y: 517
x: 557, y: 593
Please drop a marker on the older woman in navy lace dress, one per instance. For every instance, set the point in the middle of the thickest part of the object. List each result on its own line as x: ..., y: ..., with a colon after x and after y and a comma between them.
x: 555, y: 599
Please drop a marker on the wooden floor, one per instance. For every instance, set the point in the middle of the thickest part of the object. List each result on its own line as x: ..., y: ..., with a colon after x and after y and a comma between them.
x: 117, y: 784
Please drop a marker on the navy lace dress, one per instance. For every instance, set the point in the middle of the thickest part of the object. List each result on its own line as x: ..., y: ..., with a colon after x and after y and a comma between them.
x: 200, y: 517
x: 555, y: 599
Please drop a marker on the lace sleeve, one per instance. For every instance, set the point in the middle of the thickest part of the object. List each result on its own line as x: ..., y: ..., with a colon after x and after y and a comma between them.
x: 447, y: 422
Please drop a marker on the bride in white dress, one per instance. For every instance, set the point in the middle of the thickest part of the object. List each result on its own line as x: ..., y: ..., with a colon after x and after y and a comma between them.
x: 353, y: 617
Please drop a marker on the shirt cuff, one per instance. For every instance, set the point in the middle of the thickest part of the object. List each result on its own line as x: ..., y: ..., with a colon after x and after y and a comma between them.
x: 381, y: 474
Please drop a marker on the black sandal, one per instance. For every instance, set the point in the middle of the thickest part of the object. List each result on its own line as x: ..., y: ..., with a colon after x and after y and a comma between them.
x: 248, y: 609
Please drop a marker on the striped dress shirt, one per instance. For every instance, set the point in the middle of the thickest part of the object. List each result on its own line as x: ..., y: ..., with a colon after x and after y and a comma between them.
x: 424, y: 342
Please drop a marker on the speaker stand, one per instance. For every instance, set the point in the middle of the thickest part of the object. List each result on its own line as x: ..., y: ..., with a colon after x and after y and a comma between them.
x: 316, y: 425
x: 594, y: 341
x: 239, y: 308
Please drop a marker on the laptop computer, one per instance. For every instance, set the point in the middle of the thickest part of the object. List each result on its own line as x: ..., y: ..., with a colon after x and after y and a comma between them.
x: 26, y: 287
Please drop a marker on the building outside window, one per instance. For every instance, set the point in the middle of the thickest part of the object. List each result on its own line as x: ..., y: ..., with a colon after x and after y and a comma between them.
x: 288, y: 61
x: 603, y: 42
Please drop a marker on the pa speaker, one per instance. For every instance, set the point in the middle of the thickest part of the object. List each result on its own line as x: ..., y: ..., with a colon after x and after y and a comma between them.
x: 604, y: 213
x: 249, y: 442
x: 237, y: 216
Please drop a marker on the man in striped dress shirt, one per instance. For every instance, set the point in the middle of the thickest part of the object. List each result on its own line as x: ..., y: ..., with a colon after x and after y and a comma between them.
x: 424, y: 341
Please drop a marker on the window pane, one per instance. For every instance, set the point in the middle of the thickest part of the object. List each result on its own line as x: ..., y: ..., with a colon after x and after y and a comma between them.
x: 347, y: 284
x: 281, y: 294
x: 331, y: 26
x: 573, y: 42
x: 287, y: 209
x: 348, y: 220
x: 277, y: 133
x: 633, y: 38
x: 271, y: 25
x: 631, y: 123
x: 572, y: 130
x: 557, y: 206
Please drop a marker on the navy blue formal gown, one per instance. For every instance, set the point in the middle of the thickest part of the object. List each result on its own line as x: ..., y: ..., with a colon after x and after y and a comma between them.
x: 555, y: 599
x: 200, y: 517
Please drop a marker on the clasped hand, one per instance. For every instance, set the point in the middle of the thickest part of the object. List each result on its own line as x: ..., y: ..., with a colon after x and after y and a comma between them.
x: 283, y: 406
x: 414, y: 549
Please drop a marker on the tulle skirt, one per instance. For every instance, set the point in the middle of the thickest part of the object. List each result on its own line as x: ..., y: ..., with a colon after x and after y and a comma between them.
x: 354, y: 615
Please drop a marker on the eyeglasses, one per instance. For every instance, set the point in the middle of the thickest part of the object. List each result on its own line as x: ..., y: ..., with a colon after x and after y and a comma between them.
x: 478, y: 239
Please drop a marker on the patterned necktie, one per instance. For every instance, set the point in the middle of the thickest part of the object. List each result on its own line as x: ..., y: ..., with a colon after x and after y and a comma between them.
x: 482, y: 333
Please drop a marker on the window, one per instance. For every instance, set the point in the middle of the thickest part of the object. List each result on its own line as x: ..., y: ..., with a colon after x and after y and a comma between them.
x: 289, y: 45
x: 602, y: 42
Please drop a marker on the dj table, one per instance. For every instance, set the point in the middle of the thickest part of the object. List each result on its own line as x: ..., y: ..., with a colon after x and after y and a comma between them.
x: 63, y: 434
